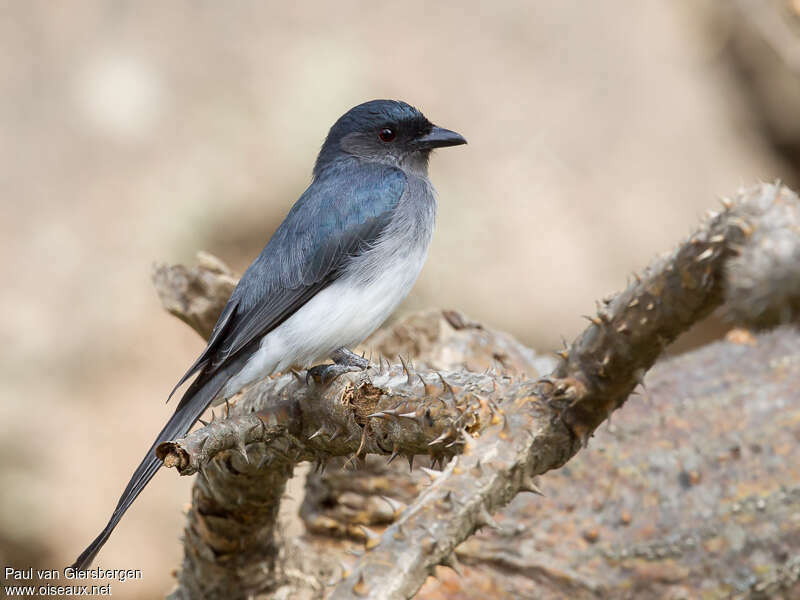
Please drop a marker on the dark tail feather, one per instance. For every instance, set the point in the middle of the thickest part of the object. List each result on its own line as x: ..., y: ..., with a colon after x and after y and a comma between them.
x: 196, y: 399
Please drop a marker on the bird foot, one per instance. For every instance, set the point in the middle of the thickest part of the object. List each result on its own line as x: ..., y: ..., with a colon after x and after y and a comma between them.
x: 344, y: 361
x: 325, y: 374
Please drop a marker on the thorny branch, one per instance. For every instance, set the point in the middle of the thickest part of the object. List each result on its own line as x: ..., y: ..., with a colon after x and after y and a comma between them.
x: 494, y: 432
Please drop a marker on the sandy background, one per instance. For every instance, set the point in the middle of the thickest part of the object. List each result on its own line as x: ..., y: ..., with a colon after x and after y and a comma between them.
x: 135, y: 132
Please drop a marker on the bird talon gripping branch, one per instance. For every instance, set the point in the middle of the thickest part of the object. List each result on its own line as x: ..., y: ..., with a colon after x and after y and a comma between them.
x: 326, y: 374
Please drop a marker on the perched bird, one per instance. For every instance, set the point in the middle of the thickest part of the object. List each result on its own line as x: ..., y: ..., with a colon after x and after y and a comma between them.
x: 345, y: 256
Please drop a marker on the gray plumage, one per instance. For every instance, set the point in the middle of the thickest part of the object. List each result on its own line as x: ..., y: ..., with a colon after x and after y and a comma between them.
x: 346, y: 255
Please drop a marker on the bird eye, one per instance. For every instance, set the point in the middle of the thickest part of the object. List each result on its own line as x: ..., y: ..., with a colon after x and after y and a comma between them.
x: 386, y: 134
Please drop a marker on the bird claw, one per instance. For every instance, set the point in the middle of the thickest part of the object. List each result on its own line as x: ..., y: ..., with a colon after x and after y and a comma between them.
x: 326, y: 374
x: 344, y: 361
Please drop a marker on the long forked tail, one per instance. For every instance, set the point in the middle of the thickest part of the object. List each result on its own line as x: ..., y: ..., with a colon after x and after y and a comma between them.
x: 196, y: 399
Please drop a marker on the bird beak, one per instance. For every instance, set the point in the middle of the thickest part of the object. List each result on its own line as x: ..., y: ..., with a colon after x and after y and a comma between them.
x: 439, y: 137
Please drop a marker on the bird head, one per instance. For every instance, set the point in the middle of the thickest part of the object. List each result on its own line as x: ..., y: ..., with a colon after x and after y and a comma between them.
x: 385, y: 131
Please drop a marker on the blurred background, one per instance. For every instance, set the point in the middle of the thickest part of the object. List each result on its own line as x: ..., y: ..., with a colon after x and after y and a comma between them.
x: 131, y: 132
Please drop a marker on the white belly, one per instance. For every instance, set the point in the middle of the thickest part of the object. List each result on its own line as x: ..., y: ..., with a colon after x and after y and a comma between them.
x: 343, y: 314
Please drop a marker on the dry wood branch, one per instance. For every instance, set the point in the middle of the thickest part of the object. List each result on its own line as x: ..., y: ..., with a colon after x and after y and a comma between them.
x: 506, y: 430
x: 283, y: 421
x: 196, y: 295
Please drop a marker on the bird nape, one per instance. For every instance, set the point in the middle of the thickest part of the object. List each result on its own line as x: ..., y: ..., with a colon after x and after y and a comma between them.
x: 344, y: 257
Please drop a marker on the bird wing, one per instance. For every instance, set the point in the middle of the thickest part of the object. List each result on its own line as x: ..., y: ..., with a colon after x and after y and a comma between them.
x: 338, y: 217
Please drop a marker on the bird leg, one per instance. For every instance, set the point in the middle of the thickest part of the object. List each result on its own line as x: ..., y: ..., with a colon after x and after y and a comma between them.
x: 344, y: 361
